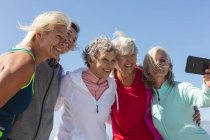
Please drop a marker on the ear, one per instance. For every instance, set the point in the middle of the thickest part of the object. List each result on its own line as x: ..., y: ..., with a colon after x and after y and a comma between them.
x: 90, y: 60
x: 38, y: 36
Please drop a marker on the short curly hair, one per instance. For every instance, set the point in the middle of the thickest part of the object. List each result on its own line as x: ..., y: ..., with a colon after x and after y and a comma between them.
x: 100, y: 44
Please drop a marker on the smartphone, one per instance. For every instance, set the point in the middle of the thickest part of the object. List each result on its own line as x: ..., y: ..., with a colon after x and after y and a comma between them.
x: 197, y: 65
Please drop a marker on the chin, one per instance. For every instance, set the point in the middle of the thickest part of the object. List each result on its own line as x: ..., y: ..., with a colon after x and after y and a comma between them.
x: 105, y: 77
x: 57, y: 57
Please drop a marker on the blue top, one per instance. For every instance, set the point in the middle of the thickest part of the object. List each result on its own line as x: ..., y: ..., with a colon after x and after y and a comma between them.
x: 17, y: 104
x: 172, y: 113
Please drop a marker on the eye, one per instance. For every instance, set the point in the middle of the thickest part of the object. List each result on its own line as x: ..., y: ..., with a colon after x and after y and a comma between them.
x: 124, y: 56
x: 104, y: 60
x: 61, y: 39
x: 114, y: 61
x: 162, y: 60
x: 134, y: 54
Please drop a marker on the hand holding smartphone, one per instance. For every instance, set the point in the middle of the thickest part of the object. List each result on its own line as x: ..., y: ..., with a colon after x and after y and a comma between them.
x: 197, y: 65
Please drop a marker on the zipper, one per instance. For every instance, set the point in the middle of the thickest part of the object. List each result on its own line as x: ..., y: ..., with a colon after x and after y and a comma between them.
x: 97, y: 108
x: 164, y: 128
x: 43, y: 101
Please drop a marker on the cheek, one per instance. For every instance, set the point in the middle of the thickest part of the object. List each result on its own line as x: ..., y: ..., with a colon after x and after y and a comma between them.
x: 97, y: 65
x: 166, y: 69
x: 121, y: 62
x: 151, y: 72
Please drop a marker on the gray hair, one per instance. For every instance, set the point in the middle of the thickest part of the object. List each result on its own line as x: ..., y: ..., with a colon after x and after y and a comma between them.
x: 123, y: 43
x: 148, y: 62
x: 44, y: 22
x: 101, y: 44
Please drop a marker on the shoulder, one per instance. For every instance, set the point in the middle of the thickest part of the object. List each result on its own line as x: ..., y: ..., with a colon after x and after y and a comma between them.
x: 139, y: 70
x: 21, y: 62
x: 111, y: 82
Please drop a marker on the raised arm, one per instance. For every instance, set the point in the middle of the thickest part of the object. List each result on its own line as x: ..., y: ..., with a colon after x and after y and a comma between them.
x: 195, y: 96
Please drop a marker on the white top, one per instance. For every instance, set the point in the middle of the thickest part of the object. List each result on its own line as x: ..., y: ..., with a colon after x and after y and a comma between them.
x: 80, y: 120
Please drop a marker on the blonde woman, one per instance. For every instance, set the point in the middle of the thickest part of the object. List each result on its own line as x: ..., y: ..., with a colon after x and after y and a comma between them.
x: 41, y: 109
x: 46, y: 38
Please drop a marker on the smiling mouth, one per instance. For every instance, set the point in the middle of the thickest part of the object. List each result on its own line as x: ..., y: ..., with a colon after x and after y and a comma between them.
x: 107, y: 71
x: 158, y: 71
x: 128, y: 66
x: 58, y: 50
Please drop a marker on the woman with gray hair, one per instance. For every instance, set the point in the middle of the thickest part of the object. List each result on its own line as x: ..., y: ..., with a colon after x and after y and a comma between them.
x: 87, y: 94
x: 133, y: 119
x: 46, y: 38
x: 172, y: 102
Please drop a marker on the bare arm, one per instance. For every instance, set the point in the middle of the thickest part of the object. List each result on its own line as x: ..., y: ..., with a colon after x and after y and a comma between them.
x: 16, y: 70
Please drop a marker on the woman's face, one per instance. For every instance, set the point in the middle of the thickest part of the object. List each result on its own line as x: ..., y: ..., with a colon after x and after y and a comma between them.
x: 73, y: 37
x: 127, y: 62
x: 161, y: 66
x: 56, y: 41
x: 103, y: 64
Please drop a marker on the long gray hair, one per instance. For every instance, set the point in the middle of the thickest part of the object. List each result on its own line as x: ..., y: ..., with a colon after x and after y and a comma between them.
x: 148, y: 62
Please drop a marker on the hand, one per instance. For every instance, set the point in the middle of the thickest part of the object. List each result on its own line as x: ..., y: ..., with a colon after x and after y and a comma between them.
x: 206, y: 77
x: 197, y: 116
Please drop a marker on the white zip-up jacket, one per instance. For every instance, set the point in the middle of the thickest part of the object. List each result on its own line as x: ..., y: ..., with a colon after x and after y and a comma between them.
x: 80, y: 120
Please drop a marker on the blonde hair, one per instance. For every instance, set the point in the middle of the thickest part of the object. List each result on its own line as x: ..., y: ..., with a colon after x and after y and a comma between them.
x: 44, y: 22
x: 123, y: 43
x: 149, y: 61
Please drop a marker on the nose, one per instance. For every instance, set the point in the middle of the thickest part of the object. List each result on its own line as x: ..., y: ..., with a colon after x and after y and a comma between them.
x: 128, y: 59
x: 111, y: 65
x: 63, y: 47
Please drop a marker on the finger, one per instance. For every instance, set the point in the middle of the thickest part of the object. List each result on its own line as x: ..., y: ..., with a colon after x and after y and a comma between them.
x: 207, y: 71
x: 198, y: 122
x: 196, y: 118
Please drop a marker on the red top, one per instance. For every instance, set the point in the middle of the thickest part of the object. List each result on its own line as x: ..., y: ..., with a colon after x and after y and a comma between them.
x: 128, y: 122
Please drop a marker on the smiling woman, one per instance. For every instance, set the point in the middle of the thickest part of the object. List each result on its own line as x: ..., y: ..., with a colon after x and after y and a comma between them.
x: 17, y: 66
x: 87, y: 94
x: 168, y: 95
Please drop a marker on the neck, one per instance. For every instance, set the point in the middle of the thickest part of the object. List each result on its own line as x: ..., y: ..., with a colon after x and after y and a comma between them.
x: 159, y: 82
x: 126, y: 78
x: 95, y: 73
x: 34, y: 47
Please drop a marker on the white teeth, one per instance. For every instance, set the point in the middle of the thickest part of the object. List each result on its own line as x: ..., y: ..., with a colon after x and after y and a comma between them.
x: 107, y: 70
x: 128, y: 66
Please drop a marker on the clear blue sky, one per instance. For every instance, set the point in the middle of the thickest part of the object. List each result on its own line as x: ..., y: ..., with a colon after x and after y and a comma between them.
x: 182, y: 27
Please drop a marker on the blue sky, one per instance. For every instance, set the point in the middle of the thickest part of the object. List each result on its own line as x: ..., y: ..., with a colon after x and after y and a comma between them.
x: 182, y: 27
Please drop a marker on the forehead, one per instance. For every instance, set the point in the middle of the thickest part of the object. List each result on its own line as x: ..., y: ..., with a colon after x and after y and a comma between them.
x: 160, y: 54
x: 106, y: 54
x: 60, y: 29
x: 127, y: 50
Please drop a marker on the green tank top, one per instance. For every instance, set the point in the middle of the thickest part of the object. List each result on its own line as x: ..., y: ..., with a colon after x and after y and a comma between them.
x: 18, y: 103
